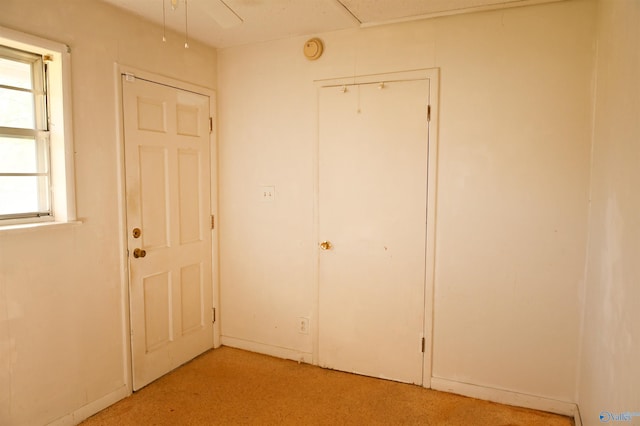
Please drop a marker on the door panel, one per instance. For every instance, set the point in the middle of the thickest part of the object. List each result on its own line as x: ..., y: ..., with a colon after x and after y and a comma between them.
x: 189, y: 195
x: 372, y: 208
x: 157, y: 310
x: 153, y: 194
x: 191, y: 288
x: 167, y: 170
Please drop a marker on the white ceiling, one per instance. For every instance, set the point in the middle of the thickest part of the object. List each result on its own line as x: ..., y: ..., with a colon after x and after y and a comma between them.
x: 224, y: 23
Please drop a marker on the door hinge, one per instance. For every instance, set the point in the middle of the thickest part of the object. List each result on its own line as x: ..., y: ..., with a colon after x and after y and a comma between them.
x: 210, y: 125
x: 214, y: 315
x: 129, y: 77
x: 213, y: 221
x: 423, y: 343
x: 428, y: 112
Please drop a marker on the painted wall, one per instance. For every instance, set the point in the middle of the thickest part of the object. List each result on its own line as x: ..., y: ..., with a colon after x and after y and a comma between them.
x: 610, y: 371
x: 62, y: 344
x: 513, y: 178
x: 513, y: 183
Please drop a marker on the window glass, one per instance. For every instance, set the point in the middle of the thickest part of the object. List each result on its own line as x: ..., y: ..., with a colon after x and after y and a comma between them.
x: 17, y: 109
x: 19, y: 155
x: 22, y: 194
x: 15, y: 74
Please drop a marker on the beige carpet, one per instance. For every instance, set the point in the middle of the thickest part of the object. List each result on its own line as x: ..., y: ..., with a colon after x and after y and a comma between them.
x: 228, y: 386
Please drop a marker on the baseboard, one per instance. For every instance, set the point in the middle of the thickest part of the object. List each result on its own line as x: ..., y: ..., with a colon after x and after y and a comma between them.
x: 261, y: 348
x: 577, y: 419
x: 506, y: 397
x: 92, y: 408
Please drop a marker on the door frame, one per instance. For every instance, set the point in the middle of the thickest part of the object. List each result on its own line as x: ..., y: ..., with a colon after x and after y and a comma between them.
x: 119, y: 70
x: 433, y: 76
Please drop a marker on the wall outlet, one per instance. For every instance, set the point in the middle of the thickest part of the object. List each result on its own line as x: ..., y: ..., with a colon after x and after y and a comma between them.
x: 303, y: 325
x: 267, y: 193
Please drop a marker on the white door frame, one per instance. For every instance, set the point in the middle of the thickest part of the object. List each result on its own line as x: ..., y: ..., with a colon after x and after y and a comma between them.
x: 119, y: 70
x: 433, y: 75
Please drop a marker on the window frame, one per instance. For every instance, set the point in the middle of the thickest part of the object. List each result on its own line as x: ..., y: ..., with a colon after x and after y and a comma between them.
x: 39, y: 132
x: 58, y: 127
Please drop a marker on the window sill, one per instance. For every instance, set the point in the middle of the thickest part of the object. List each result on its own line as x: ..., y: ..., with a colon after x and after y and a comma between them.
x: 34, y: 227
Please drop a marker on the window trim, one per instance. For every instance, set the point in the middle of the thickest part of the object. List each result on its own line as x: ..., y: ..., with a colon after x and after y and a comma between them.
x: 58, y: 55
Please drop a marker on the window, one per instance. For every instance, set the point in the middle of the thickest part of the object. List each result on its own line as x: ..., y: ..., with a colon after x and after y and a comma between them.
x: 24, y: 137
x: 36, y: 161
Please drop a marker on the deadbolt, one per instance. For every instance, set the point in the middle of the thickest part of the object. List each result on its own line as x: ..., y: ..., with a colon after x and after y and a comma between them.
x: 136, y: 232
x: 326, y: 245
x: 139, y: 253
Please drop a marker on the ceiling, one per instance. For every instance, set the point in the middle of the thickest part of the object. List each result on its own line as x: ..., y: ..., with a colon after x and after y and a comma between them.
x: 225, y: 23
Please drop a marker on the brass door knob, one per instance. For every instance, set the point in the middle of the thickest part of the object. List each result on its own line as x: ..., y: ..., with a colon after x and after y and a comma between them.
x: 326, y: 245
x: 139, y: 253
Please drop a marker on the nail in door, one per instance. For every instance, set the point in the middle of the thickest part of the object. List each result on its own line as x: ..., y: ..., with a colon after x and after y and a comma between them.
x: 167, y: 162
x: 372, y: 212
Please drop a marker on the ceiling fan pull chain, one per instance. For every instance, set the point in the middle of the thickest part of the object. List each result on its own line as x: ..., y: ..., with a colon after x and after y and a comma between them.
x: 186, y: 27
x: 164, y: 22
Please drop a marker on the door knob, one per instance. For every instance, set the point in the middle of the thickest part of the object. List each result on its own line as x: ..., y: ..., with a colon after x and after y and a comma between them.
x: 139, y: 253
x: 326, y: 245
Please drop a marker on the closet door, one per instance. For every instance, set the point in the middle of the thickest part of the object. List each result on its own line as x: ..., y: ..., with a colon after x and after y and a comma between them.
x: 372, y: 228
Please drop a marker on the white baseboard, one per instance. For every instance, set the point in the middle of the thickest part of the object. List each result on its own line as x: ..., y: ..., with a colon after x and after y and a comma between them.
x: 92, y: 408
x: 261, y: 348
x: 507, y: 397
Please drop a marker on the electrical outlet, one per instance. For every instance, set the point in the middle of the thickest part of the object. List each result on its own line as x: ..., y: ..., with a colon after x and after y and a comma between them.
x: 303, y: 325
x: 267, y: 193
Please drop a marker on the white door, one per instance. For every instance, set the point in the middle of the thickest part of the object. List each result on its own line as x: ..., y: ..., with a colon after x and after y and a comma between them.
x: 167, y: 162
x: 372, y: 213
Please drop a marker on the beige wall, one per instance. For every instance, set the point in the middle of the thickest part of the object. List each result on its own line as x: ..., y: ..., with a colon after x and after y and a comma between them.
x: 61, y: 295
x: 515, y: 129
x: 513, y: 179
x: 610, y: 371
